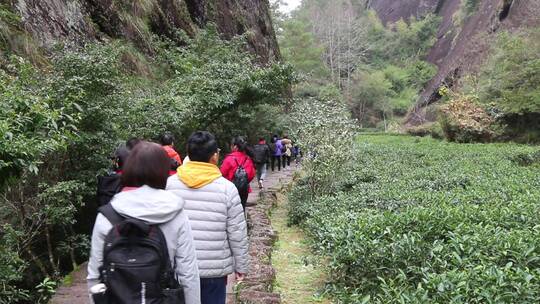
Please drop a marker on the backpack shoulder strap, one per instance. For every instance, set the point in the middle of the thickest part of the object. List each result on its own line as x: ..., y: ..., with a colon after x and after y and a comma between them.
x: 108, y: 211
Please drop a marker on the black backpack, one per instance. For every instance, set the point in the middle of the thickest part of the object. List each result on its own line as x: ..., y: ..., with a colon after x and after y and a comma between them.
x: 174, y: 164
x: 240, y: 179
x: 136, y: 267
x: 107, y: 186
x: 260, y: 152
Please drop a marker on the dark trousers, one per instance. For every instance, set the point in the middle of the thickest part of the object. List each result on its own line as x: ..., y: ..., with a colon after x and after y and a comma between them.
x: 213, y: 290
x: 243, y: 198
x: 286, y: 160
x: 278, y: 160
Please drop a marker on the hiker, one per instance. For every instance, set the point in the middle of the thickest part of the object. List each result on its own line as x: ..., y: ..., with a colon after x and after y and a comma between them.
x: 110, y: 183
x: 238, y: 168
x: 132, y: 142
x: 287, y: 154
x: 297, y: 153
x: 261, y: 156
x: 149, y: 224
x: 216, y: 216
x: 167, y: 141
x: 276, y: 149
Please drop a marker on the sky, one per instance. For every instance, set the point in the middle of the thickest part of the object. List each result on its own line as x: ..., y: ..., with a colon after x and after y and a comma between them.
x: 291, y: 5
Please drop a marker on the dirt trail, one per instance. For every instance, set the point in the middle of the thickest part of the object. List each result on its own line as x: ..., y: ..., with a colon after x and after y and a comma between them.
x: 298, y: 277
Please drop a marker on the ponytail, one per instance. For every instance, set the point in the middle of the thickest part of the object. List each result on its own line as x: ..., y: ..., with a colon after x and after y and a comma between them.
x: 242, y: 146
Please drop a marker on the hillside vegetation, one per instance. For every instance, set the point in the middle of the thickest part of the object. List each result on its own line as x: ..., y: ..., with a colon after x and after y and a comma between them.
x: 381, y: 70
x: 59, y: 126
x: 346, y: 51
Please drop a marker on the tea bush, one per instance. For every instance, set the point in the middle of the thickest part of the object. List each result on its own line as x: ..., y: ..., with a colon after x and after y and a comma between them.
x: 415, y: 220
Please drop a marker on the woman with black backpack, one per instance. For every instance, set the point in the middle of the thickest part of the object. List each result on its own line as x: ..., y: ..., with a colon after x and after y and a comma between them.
x: 238, y: 167
x: 142, y: 245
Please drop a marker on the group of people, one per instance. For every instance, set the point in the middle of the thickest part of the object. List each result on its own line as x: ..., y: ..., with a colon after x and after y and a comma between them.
x: 171, y: 230
x: 279, y: 152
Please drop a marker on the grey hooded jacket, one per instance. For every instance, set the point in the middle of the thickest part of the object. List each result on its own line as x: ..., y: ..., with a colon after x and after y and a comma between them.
x: 156, y: 207
x: 218, y: 224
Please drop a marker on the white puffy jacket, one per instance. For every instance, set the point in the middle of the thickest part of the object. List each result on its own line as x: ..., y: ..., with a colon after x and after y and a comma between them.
x: 156, y: 207
x: 218, y: 225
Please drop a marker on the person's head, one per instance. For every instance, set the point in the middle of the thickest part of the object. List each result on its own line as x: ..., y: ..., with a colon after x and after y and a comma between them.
x: 239, y: 144
x: 147, y: 164
x: 285, y: 137
x: 262, y: 139
x: 120, y: 156
x: 202, y: 147
x: 166, y: 139
x: 132, y: 142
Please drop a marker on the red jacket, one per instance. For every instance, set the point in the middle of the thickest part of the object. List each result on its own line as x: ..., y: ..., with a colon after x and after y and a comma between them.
x: 173, y: 154
x: 231, y: 162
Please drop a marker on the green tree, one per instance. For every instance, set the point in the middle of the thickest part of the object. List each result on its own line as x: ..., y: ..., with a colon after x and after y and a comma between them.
x: 300, y: 47
x: 511, y: 79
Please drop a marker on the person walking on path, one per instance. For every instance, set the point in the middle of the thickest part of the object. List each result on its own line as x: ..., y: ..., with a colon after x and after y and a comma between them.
x: 238, y: 168
x: 143, y: 198
x: 276, y: 149
x: 216, y: 216
x: 287, y: 144
x: 167, y: 141
x: 110, y: 183
x: 261, y: 156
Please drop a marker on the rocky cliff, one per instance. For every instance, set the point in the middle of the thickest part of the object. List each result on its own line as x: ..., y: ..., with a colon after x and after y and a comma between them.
x: 463, y: 40
x: 77, y: 21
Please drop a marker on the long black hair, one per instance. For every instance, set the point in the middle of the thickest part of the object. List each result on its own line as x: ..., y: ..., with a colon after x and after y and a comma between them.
x: 241, y: 144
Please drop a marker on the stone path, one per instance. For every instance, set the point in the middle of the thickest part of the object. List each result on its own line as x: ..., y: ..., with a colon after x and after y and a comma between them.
x: 76, y: 291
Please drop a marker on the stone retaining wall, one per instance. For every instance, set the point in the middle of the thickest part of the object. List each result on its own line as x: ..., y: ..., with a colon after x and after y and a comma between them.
x: 258, y: 285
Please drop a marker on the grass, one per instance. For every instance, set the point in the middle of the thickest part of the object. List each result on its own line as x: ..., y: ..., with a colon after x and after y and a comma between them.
x: 68, y: 279
x: 298, y: 277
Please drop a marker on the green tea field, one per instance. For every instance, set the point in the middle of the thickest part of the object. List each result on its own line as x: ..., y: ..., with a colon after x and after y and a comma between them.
x: 415, y: 220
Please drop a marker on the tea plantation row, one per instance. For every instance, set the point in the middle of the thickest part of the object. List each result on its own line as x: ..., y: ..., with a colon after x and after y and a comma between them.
x: 423, y: 221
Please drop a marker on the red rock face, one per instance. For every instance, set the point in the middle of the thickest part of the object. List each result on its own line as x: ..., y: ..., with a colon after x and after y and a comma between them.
x: 235, y: 17
x: 392, y: 10
x: 461, y: 48
x: 76, y: 21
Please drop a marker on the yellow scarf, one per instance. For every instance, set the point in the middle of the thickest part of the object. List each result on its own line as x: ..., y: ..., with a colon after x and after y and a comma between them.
x: 197, y: 174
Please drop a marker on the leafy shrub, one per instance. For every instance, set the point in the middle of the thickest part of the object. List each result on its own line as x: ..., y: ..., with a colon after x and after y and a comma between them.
x: 462, y: 120
x: 470, y: 6
x: 429, y: 129
x: 412, y: 221
x: 32, y: 123
x: 324, y: 131
x: 527, y: 159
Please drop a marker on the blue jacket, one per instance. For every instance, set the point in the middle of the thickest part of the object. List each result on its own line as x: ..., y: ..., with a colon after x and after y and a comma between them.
x: 279, y: 145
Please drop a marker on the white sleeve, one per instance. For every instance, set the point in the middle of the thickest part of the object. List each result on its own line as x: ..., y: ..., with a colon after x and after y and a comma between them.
x: 101, y: 228
x: 187, y: 268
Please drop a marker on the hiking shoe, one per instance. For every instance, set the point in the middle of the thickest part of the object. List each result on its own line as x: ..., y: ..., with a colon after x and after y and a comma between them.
x: 261, y: 184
